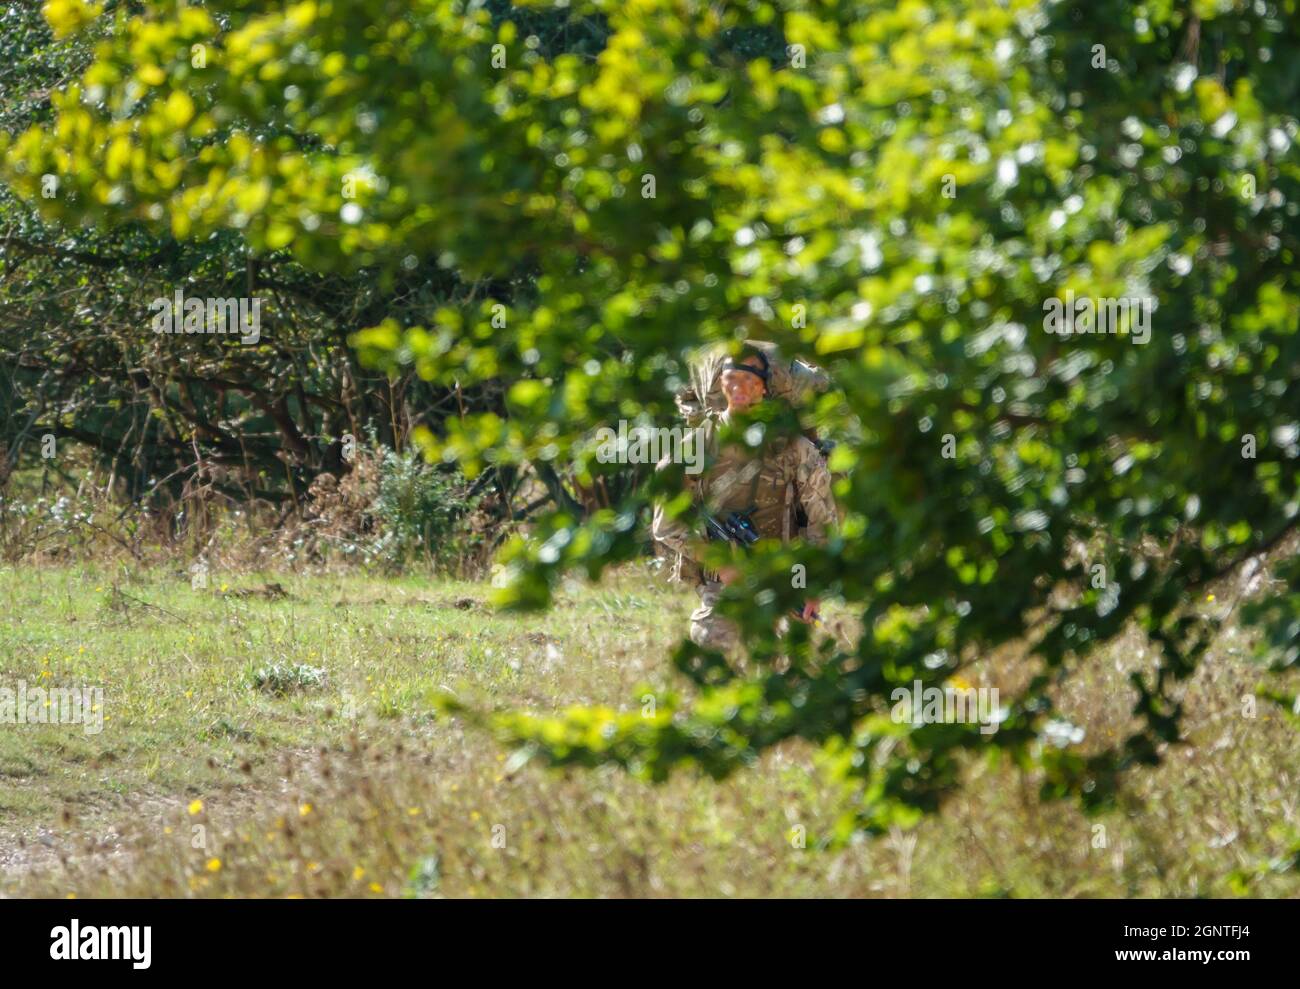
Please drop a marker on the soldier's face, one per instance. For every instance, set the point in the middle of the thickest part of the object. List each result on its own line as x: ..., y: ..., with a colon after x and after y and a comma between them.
x: 741, y: 388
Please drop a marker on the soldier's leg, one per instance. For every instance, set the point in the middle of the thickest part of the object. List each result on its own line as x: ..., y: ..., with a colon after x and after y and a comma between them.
x: 710, y: 630
x: 715, y: 632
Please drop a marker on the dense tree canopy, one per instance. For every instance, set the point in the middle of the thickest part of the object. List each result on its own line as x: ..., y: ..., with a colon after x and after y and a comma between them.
x: 898, y: 188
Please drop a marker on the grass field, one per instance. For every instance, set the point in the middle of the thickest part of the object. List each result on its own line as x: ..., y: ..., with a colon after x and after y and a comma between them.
x: 258, y: 743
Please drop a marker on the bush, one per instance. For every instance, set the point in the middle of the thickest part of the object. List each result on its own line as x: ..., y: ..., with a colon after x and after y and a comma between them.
x: 392, y: 509
x: 421, y: 511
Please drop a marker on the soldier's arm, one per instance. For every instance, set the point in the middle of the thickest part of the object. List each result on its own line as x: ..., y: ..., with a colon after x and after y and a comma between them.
x: 690, y: 406
x: 813, y: 489
x: 673, y: 532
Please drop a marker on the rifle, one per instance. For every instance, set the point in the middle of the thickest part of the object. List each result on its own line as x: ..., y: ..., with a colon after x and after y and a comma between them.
x: 735, y: 527
x: 738, y: 528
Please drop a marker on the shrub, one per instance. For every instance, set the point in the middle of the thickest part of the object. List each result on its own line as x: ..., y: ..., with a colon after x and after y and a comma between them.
x: 283, y: 678
x: 421, y: 510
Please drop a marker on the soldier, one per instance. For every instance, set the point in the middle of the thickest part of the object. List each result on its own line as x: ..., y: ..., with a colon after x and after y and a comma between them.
x: 789, y: 475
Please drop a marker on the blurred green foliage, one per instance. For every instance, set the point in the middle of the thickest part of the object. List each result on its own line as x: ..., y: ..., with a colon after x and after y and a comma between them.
x: 897, y: 188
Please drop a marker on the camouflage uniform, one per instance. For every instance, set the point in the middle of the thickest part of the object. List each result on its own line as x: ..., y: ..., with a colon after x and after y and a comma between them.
x: 792, y: 382
x: 790, y: 475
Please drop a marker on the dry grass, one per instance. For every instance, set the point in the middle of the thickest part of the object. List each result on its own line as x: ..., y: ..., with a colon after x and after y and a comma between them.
x: 345, y: 784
